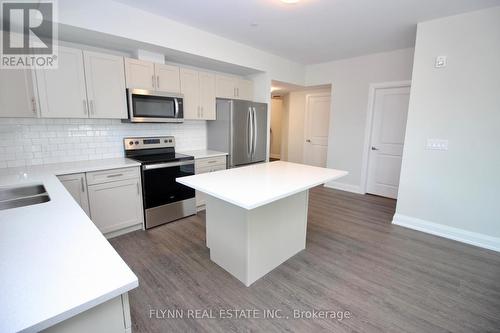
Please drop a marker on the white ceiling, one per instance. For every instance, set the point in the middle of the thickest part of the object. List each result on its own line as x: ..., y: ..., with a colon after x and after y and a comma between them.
x: 312, y: 31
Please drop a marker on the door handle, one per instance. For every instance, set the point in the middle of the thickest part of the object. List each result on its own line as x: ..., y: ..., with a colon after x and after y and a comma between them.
x: 249, y: 132
x: 254, y: 129
x: 374, y: 148
x: 309, y: 141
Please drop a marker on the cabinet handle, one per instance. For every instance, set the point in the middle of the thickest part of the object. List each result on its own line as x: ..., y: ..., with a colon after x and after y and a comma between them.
x: 212, y: 161
x: 238, y: 92
x: 235, y: 92
x: 153, y: 80
x: 115, y: 175
x: 83, y: 185
x: 33, y: 105
x: 85, y: 110
x: 158, y: 81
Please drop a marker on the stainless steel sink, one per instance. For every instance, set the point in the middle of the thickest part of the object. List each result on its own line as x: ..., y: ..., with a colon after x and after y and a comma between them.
x: 19, y: 196
x: 28, y: 201
x: 10, y: 193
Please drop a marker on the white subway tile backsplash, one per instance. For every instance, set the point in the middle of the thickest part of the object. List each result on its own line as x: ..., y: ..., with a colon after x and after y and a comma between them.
x: 30, y: 141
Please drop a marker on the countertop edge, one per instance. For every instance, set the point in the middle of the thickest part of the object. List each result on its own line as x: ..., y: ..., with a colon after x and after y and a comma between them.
x: 265, y: 202
x: 82, y: 308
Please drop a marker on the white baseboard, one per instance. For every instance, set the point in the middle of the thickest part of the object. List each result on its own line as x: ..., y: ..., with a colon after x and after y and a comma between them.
x: 345, y: 187
x: 464, y: 236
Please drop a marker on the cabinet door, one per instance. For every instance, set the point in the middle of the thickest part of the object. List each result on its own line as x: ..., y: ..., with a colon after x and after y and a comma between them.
x: 17, y: 95
x: 77, y: 187
x: 190, y: 87
x: 167, y: 78
x: 105, y: 79
x: 140, y: 74
x: 225, y: 86
x: 244, y: 89
x: 116, y: 205
x: 207, y: 95
x: 62, y: 91
x: 201, y: 167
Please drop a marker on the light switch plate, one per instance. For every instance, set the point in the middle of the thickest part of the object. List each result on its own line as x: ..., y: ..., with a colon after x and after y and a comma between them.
x: 437, y: 144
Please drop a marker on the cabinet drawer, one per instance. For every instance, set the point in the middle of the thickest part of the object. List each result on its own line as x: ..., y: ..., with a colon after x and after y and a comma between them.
x: 211, y: 168
x: 210, y: 162
x: 99, y: 177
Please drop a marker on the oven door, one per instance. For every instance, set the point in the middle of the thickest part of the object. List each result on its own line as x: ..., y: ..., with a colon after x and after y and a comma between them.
x: 154, y: 106
x: 166, y: 200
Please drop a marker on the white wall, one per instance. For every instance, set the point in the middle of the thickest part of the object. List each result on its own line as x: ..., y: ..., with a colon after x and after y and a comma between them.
x: 296, y: 112
x: 26, y: 141
x: 456, y: 191
x: 118, y: 19
x: 350, y: 79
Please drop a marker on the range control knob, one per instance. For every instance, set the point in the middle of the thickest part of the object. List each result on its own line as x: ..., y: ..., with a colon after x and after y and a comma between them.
x: 131, y: 143
x: 137, y: 142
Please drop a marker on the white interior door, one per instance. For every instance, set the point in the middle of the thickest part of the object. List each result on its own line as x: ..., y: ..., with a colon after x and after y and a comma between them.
x: 316, y: 129
x: 390, y: 110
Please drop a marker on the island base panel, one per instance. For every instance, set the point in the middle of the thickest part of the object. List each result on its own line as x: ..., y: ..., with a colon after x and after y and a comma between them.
x: 251, y: 243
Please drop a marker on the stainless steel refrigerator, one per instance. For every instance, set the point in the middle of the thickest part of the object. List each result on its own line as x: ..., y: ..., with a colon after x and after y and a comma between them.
x: 240, y: 130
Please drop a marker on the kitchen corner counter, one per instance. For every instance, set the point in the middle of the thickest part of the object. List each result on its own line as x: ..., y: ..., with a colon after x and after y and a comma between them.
x: 54, y: 262
x: 203, y: 153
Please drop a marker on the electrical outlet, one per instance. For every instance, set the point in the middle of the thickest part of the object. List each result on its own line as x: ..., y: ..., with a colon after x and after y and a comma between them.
x: 437, y: 144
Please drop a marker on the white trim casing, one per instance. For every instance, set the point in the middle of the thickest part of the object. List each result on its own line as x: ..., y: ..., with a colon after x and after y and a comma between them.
x: 464, y: 236
x: 369, y: 123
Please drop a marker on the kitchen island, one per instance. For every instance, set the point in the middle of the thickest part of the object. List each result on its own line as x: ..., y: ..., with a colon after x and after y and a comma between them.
x: 256, y: 216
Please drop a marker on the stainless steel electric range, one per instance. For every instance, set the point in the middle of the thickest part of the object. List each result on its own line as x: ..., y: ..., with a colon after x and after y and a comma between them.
x: 164, y: 199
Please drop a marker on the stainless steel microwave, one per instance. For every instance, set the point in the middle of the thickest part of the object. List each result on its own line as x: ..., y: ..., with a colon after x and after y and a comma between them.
x: 150, y: 106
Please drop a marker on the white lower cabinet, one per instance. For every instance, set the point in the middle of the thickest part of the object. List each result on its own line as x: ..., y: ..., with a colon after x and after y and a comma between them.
x: 76, y: 184
x: 205, y: 165
x: 112, y: 316
x: 111, y: 198
x: 116, y: 205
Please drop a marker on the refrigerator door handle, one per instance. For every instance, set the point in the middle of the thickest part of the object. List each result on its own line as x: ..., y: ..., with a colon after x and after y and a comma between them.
x: 254, y: 131
x: 249, y: 133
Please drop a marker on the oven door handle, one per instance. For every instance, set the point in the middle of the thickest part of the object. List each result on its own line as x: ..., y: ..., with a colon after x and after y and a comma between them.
x: 166, y: 165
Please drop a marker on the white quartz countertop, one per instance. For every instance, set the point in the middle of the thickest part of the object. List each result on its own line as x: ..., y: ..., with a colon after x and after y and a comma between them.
x: 259, y: 184
x: 203, y: 153
x: 54, y: 262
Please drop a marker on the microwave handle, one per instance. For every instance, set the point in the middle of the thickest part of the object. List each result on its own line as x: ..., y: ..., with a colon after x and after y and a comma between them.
x: 176, y: 103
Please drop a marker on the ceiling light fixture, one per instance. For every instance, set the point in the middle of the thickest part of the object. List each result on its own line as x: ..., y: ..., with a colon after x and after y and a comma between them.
x: 290, y: 1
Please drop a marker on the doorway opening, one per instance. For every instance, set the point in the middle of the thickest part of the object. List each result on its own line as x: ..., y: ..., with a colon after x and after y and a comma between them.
x: 300, y: 123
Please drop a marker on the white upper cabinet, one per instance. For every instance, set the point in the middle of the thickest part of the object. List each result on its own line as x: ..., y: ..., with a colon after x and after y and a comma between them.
x: 167, y: 78
x: 244, y: 89
x: 190, y: 88
x: 105, y: 79
x: 225, y: 86
x: 207, y: 95
x: 198, y: 89
x: 150, y: 76
x: 140, y: 74
x: 17, y: 94
x: 233, y: 88
x: 62, y: 91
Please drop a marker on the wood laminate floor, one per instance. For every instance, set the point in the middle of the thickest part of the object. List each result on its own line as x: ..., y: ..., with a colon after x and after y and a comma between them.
x: 390, y: 279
